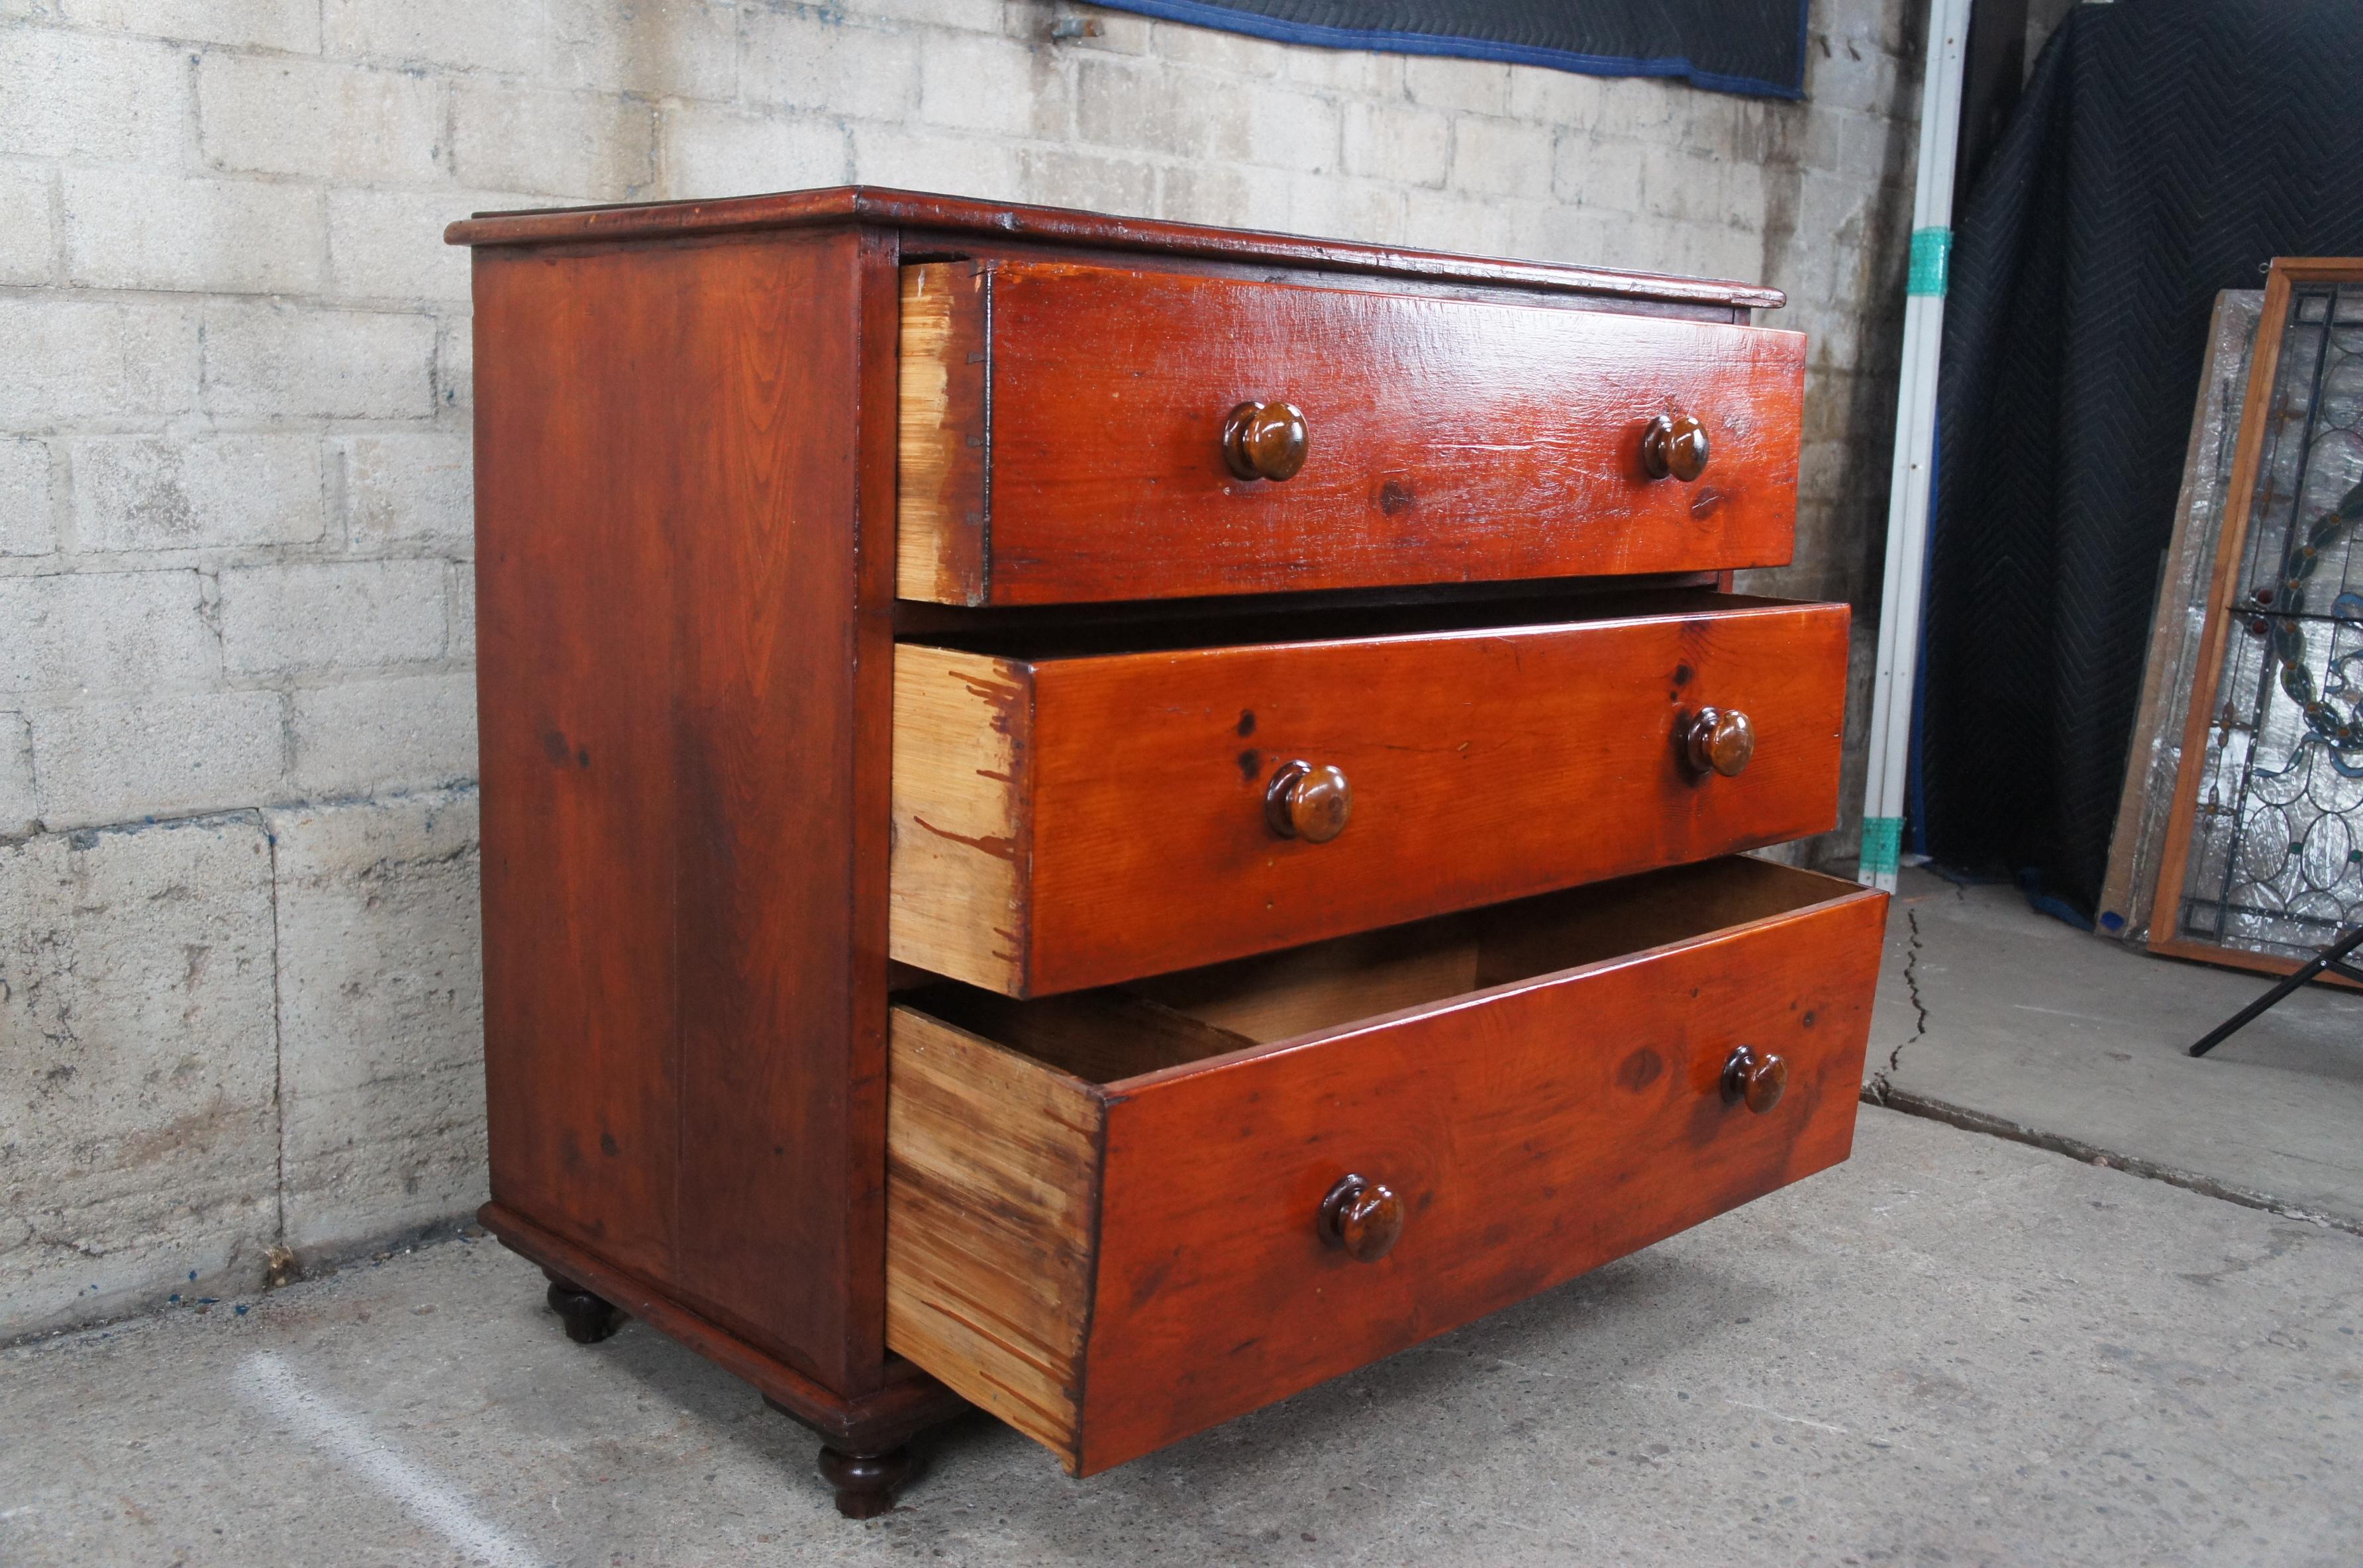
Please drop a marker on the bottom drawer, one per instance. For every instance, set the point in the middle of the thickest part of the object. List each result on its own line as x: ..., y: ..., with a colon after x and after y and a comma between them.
x: 1120, y: 1217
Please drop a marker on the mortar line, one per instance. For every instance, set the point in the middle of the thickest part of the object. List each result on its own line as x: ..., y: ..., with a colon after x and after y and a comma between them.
x: 278, y: 1049
x: 1883, y: 1094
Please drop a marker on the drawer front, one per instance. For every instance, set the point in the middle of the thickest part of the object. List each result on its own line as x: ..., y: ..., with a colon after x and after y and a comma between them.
x: 1171, y: 1270
x: 1063, y: 437
x: 1064, y: 823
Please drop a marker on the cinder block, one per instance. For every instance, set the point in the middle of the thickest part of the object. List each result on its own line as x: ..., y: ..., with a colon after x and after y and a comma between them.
x: 1364, y: 73
x: 271, y: 114
x: 290, y: 25
x: 389, y: 245
x: 28, y: 240
x: 29, y: 494
x: 380, y: 1007
x: 320, y: 615
x: 166, y: 756
x: 274, y: 361
x: 1679, y: 186
x: 1057, y: 177
x: 81, y: 360
x: 1632, y: 104
x: 956, y: 165
x: 1133, y: 105
x: 1236, y: 55
x: 560, y: 144
x: 975, y: 16
x: 1502, y: 157
x: 1333, y: 208
x: 73, y: 95
x: 96, y: 632
x: 409, y: 489
x: 1849, y: 74
x: 1448, y: 220
x: 1397, y: 142
x: 682, y: 49
x: 20, y: 806
x: 460, y: 595
x: 464, y: 34
x: 1200, y: 192
x: 455, y: 367
x: 156, y: 492
x: 371, y: 737
x: 1602, y: 175
x: 127, y: 228
x: 1272, y: 126
x: 716, y: 151
x: 1440, y: 82
x: 1564, y: 100
x: 976, y: 81
x: 1874, y: 150
x: 137, y: 1067
x: 821, y: 62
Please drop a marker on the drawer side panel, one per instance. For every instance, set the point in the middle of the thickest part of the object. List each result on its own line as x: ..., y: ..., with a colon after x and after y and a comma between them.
x: 991, y: 1206
x: 963, y: 834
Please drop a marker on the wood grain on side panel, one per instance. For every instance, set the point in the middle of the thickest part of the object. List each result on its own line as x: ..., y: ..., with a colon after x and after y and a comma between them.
x: 962, y: 814
x: 943, y: 426
x: 685, y: 1071
x: 991, y: 1210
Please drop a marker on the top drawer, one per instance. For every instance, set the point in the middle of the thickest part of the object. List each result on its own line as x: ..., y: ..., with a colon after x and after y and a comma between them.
x: 1063, y: 437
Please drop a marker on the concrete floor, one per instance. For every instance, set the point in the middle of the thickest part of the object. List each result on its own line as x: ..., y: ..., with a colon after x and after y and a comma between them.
x: 1997, y: 1015
x: 1956, y: 1349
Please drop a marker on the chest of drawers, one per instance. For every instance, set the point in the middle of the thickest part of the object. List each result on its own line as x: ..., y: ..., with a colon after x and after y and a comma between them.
x: 1108, y: 820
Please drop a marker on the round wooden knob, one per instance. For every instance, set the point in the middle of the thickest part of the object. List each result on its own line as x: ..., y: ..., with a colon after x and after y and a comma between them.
x: 1756, y: 1078
x: 1308, y: 802
x: 1362, y: 1218
x: 1719, y: 740
x: 1674, y: 447
x: 1265, y: 440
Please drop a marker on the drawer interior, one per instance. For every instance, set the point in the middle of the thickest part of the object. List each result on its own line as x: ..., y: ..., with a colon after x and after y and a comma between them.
x: 1145, y: 1027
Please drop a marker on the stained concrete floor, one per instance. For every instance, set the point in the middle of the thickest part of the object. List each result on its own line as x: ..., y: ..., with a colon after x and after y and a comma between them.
x: 2003, y: 1017
x: 1957, y: 1349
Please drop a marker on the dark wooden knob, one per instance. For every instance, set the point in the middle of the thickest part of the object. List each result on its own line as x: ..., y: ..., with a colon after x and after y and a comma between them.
x: 1756, y: 1078
x: 1265, y: 440
x: 1719, y: 740
x: 1674, y: 447
x: 1362, y: 1218
x: 1308, y: 802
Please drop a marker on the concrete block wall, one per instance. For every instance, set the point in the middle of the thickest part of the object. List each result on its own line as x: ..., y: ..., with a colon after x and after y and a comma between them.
x: 239, y: 1011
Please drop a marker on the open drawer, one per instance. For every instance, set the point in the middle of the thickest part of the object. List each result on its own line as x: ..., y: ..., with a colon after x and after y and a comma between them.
x: 1120, y: 1217
x: 1084, y: 807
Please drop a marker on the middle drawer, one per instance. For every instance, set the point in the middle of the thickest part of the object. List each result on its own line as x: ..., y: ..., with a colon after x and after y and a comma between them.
x: 1079, y: 815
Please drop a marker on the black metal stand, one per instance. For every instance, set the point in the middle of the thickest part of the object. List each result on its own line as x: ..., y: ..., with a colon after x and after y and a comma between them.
x: 2333, y: 958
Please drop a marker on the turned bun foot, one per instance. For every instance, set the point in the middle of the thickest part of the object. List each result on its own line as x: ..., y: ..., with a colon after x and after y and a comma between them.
x: 588, y: 1319
x: 865, y: 1483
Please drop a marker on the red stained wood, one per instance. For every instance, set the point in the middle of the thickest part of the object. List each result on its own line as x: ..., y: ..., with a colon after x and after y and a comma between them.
x: 1569, y: 1114
x: 677, y: 448
x: 1450, y: 440
x: 1559, y: 1125
x: 1483, y: 765
x: 956, y: 219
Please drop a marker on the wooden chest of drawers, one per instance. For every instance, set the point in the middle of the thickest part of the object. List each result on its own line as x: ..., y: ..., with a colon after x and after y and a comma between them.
x: 1110, y: 820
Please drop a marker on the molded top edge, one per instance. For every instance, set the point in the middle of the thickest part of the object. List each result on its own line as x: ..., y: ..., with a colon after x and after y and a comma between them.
x: 911, y: 209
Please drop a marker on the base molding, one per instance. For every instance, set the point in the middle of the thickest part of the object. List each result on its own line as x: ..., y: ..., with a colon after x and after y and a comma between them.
x: 908, y: 1402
